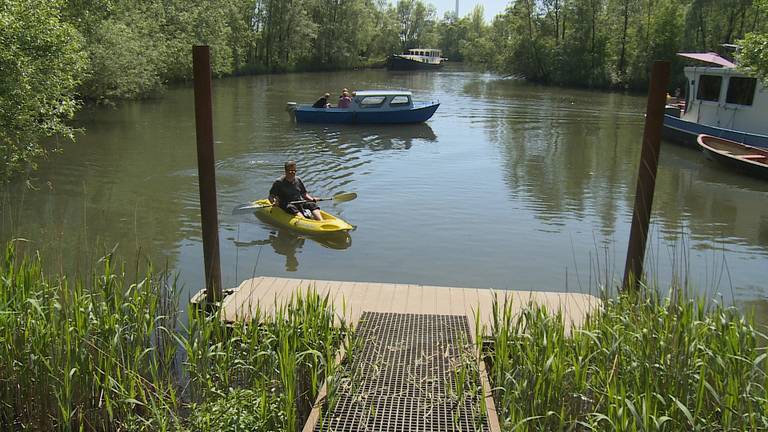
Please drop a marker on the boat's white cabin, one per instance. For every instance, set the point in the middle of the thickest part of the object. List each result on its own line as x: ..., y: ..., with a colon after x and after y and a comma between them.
x: 424, y: 55
x: 725, y: 98
x: 424, y: 52
x: 382, y: 100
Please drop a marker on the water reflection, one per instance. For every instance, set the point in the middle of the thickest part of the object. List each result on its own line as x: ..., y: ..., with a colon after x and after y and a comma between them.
x: 575, y: 157
x: 289, y: 243
x: 371, y: 137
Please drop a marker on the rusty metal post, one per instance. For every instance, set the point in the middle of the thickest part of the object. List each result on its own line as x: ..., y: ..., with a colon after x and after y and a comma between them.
x: 646, y: 177
x: 201, y: 65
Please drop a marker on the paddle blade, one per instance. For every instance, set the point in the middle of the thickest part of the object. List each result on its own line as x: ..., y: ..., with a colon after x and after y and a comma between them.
x: 248, y: 208
x: 344, y: 197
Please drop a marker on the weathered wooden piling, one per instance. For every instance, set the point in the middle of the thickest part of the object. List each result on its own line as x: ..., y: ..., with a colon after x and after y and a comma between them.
x: 646, y: 178
x: 201, y: 65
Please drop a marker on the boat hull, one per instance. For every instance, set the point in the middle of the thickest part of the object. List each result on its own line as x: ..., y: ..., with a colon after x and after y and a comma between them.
x: 739, y: 158
x: 404, y: 64
x: 348, y: 116
x: 277, y: 216
x: 686, y: 132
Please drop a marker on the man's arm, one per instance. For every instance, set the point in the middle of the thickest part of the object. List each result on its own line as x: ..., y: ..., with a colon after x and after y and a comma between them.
x: 304, y: 193
x: 273, y: 194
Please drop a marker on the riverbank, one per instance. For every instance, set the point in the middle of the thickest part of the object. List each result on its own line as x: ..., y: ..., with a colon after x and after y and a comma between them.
x: 113, y: 352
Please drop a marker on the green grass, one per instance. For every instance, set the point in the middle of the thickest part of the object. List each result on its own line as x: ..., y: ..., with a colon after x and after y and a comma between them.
x: 639, y: 364
x: 110, y: 354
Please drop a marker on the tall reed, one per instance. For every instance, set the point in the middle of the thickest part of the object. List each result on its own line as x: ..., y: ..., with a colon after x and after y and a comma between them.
x: 638, y: 364
x: 110, y: 354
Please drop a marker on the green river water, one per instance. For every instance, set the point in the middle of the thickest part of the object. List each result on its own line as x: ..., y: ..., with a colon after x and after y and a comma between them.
x: 509, y: 186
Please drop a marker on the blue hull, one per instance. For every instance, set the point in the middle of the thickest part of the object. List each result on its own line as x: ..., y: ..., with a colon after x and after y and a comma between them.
x: 686, y: 132
x: 372, y: 116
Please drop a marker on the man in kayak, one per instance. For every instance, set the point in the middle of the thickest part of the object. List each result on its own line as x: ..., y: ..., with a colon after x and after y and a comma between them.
x: 288, y: 189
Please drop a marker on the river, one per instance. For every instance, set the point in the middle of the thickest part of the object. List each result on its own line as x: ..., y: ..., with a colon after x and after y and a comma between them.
x: 510, y: 185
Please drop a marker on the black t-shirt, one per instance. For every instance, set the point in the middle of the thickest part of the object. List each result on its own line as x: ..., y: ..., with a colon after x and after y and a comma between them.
x: 287, y: 191
x: 320, y: 103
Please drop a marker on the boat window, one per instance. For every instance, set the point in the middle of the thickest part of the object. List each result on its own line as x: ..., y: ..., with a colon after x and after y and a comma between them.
x: 399, y: 100
x: 709, y: 88
x: 741, y: 91
x: 371, y: 101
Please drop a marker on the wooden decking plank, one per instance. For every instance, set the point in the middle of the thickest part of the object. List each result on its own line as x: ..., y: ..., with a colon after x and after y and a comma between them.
x: 355, y: 301
x: 232, y: 304
x: 485, y: 305
x: 236, y: 309
x: 413, y: 298
x: 409, y: 297
x: 471, y: 297
x: 261, y: 292
x: 389, y: 294
x: 283, y: 294
x: 457, y: 301
x: 232, y: 300
x: 336, y: 292
x: 267, y: 296
x: 436, y: 300
x: 379, y: 297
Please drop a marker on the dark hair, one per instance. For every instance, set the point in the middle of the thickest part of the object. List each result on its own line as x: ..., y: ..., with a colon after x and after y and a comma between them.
x: 290, y: 164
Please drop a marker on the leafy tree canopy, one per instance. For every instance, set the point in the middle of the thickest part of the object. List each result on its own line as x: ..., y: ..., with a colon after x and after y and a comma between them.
x: 41, y: 65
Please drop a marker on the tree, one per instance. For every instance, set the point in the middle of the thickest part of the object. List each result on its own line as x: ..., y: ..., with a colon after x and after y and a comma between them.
x: 416, y: 19
x: 41, y: 63
x: 753, y: 56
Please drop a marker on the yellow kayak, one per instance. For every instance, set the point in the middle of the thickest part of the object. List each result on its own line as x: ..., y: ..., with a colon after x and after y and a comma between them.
x: 278, y: 216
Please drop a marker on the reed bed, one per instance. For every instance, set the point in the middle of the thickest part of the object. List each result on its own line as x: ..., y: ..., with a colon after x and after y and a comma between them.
x: 641, y: 363
x: 110, y: 354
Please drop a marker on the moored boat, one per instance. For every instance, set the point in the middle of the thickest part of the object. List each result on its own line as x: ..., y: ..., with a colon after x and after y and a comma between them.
x: 416, y: 59
x: 328, y: 225
x: 740, y: 157
x: 720, y: 101
x: 370, y: 106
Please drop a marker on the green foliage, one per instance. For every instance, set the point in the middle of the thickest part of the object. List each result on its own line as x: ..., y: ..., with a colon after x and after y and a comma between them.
x: 110, y: 354
x: 415, y: 18
x: 237, y: 411
x: 41, y: 64
x: 650, y: 364
x: 107, y: 50
x: 600, y: 43
x: 125, y: 62
x: 754, y: 54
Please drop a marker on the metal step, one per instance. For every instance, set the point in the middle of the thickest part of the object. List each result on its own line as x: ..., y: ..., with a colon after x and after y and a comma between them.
x: 404, y: 374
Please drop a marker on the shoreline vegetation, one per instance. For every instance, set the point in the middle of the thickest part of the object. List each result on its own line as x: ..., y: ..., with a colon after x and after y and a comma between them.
x: 115, y: 353
x: 60, y: 53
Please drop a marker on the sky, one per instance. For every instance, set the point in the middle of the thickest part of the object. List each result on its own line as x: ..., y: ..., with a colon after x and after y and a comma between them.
x: 492, y: 7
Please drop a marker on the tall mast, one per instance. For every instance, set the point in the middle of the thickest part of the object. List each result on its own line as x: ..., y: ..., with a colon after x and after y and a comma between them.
x: 457, y: 9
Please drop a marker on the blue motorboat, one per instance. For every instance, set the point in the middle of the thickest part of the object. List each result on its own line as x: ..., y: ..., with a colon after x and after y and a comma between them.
x: 720, y: 101
x: 370, y: 106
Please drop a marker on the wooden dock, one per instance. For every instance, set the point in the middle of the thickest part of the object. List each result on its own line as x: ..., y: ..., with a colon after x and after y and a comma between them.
x: 353, y: 298
x: 400, y: 405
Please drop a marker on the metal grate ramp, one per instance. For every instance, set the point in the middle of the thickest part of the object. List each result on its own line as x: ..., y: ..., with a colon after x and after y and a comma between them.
x: 408, y: 372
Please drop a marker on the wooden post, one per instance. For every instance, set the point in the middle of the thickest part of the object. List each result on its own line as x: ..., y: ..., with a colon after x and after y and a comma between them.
x: 201, y: 65
x: 646, y: 178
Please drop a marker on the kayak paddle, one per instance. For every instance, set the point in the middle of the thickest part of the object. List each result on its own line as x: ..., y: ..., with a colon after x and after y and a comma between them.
x: 250, y: 207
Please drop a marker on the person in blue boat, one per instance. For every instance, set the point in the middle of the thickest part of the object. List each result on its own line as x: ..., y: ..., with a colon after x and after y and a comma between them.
x: 322, y: 102
x: 288, y: 189
x: 345, y: 101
